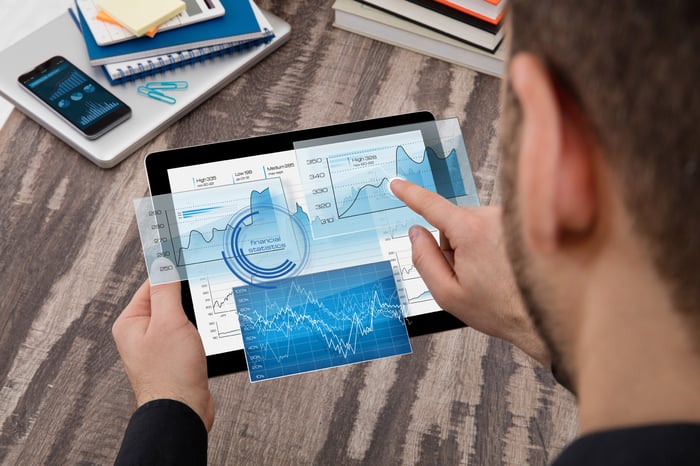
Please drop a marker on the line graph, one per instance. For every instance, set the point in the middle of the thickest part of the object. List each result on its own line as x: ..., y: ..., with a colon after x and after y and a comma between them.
x: 226, y: 329
x: 204, y: 235
x: 196, y: 243
x: 412, y: 289
x: 406, y: 267
x: 417, y: 292
x: 244, y: 229
x: 347, y: 183
x: 220, y: 296
x: 353, y: 199
x: 202, y: 226
x: 321, y: 320
x: 215, y: 313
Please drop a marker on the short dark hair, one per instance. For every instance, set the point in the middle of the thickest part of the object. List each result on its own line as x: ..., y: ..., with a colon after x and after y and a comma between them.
x: 633, y: 68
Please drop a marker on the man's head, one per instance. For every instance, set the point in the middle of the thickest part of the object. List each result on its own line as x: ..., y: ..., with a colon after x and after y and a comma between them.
x: 600, y: 134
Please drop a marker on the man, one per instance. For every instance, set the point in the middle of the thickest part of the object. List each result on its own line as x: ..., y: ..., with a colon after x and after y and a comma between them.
x: 600, y: 225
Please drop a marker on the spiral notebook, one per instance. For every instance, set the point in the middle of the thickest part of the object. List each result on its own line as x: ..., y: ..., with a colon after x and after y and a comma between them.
x: 119, y: 73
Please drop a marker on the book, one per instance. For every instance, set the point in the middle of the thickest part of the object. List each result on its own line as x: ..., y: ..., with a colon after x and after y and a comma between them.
x: 443, y: 24
x: 491, y: 11
x: 365, y: 20
x: 139, y: 16
x: 461, y: 15
x: 239, y: 23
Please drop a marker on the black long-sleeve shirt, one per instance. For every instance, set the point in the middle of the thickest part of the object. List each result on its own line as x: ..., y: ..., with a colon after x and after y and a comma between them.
x: 662, y: 444
x: 164, y: 432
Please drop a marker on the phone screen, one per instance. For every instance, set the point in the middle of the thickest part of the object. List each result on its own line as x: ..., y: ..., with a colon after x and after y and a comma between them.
x: 74, y: 95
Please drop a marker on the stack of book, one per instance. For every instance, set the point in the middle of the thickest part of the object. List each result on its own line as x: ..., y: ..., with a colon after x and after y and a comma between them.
x: 465, y: 32
x: 129, y: 46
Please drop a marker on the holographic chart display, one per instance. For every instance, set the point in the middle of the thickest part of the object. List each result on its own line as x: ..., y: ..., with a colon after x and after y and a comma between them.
x: 302, y: 257
x: 321, y: 320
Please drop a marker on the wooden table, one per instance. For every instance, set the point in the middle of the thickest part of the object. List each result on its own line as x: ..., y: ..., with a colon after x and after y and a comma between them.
x: 71, y: 260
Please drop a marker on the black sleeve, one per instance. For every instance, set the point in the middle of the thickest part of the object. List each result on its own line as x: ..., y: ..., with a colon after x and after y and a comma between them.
x: 164, y: 432
x: 652, y: 445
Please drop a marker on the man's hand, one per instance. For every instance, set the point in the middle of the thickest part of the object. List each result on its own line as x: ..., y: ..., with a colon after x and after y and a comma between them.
x: 162, y: 351
x: 468, y: 273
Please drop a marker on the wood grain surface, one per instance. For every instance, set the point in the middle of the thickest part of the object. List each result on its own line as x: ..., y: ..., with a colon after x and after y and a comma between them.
x: 71, y: 260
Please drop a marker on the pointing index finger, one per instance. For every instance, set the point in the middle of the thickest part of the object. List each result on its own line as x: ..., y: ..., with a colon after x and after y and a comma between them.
x: 429, y: 205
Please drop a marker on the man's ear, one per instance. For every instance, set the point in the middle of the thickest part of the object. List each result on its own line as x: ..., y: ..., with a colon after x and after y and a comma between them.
x: 555, y: 164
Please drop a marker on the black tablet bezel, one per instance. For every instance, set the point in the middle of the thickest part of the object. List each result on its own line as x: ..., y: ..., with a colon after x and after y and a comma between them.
x: 158, y: 163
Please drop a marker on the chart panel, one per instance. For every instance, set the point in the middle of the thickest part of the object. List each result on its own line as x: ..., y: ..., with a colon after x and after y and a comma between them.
x: 321, y: 320
x: 347, y: 182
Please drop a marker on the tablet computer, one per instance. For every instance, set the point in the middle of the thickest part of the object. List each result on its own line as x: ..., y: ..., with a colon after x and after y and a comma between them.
x: 336, y: 199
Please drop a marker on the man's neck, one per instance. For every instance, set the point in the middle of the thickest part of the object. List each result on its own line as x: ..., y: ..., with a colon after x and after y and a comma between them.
x: 635, y: 359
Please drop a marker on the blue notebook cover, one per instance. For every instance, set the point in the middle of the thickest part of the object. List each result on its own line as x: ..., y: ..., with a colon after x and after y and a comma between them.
x: 239, y: 23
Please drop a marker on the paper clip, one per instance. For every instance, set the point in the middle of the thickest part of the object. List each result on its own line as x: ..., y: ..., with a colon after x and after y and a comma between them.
x: 156, y: 95
x: 167, y: 85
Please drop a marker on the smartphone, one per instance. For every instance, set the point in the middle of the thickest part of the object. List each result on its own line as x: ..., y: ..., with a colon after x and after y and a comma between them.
x: 75, y: 96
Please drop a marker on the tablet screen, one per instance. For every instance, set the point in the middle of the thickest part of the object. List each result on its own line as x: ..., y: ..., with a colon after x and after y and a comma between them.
x: 291, y: 229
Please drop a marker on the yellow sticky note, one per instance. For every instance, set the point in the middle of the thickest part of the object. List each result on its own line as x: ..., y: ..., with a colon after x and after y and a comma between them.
x: 103, y: 16
x: 139, y: 16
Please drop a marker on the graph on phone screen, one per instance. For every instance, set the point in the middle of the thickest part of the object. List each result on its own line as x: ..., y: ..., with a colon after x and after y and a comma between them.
x: 70, y: 92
